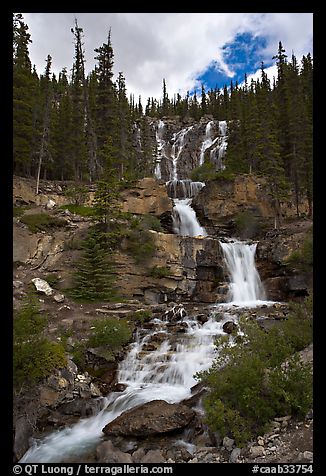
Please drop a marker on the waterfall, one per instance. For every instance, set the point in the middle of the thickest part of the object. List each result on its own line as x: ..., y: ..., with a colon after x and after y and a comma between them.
x: 184, y: 217
x: 160, y: 149
x: 178, y: 144
x: 185, y: 221
x: 165, y: 373
x: 183, y: 188
x: 207, y: 142
x: 217, y: 153
x: 246, y: 287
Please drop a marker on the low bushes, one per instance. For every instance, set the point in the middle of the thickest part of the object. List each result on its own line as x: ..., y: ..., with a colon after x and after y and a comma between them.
x: 260, y: 378
x: 34, y: 356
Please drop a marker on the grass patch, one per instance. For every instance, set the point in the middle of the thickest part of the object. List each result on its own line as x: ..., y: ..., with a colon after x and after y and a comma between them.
x: 19, y: 211
x: 42, y: 222
x: 81, y: 210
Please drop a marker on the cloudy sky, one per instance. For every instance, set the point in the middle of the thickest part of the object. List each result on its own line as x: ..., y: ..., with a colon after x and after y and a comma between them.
x: 186, y: 49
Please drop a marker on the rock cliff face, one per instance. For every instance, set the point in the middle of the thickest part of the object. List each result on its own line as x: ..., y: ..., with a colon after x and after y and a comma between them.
x: 148, y: 196
x: 220, y: 202
x: 194, y: 264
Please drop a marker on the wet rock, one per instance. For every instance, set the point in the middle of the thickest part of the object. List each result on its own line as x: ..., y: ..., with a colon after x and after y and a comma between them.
x: 22, y: 432
x: 229, y: 327
x: 153, y: 456
x: 81, y: 407
x: 42, y: 286
x: 107, y: 453
x: 202, y: 318
x: 151, y: 418
x: 175, y: 314
x: 119, y: 387
x: 180, y: 327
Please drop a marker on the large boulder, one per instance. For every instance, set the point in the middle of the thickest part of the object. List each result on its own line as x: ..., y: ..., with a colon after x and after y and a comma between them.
x: 42, y: 286
x: 151, y: 418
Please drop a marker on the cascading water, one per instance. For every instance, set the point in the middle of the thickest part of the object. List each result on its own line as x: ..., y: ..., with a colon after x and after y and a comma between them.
x: 218, y: 152
x: 165, y: 373
x: 246, y: 288
x: 176, y: 150
x: 208, y: 141
x: 184, y: 217
x: 160, y: 149
x: 185, y: 221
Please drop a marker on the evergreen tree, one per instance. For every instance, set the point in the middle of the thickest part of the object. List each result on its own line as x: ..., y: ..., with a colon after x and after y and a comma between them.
x: 78, y: 138
x: 25, y: 84
x: 203, y: 101
x: 93, y: 279
x: 45, y: 152
x: 165, y: 102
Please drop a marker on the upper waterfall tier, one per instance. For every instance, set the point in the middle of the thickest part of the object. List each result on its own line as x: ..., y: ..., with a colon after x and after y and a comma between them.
x: 180, y: 149
x: 183, y: 188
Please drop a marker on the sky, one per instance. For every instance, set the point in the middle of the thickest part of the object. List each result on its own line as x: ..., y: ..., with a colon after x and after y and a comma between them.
x: 187, y: 49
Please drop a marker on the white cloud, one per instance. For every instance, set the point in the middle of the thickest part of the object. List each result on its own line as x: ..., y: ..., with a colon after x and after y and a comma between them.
x: 271, y: 73
x: 151, y: 46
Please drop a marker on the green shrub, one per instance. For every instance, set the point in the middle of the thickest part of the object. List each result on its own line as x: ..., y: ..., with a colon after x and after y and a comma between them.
x: 77, y: 193
x: 159, y: 272
x: 204, y: 172
x: 81, y: 210
x: 110, y: 332
x: 142, y: 316
x: 42, y: 222
x: 34, y: 356
x: 151, y: 222
x: 249, y: 384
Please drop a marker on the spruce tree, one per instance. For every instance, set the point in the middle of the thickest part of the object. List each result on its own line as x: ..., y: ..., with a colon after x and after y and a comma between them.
x: 93, y: 279
x: 25, y: 86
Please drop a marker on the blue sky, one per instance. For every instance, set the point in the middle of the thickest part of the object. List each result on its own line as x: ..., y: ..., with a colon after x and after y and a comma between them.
x: 184, y: 48
x: 242, y: 55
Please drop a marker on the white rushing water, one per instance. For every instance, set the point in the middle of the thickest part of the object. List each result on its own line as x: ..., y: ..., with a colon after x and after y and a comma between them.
x: 218, y: 152
x: 166, y: 374
x: 160, y: 149
x: 185, y: 221
x: 183, y: 188
x: 208, y: 141
x: 246, y: 288
x: 178, y: 144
